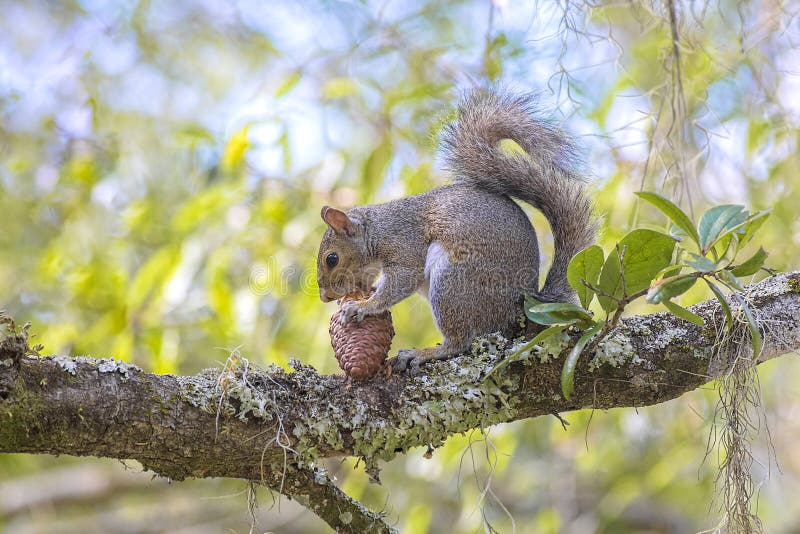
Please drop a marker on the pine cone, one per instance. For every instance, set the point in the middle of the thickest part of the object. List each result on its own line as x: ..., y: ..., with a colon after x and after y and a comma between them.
x: 361, y: 348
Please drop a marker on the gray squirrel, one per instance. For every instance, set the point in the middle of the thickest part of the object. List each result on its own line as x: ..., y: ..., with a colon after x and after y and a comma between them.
x: 467, y: 246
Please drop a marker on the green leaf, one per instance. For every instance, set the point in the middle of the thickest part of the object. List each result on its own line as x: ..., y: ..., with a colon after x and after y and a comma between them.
x: 739, y: 232
x: 509, y: 147
x: 757, y: 132
x: 673, y: 212
x: 568, y: 371
x: 339, y: 88
x: 667, y: 288
x: 752, y: 324
x: 752, y: 264
x: 683, y: 313
x: 531, y: 301
x: 201, y: 208
x: 289, y: 83
x: 376, y: 164
x: 676, y: 232
x: 192, y: 134
x: 714, y: 222
x: 666, y: 272
x: 738, y: 219
x: 557, y: 313
x: 151, y: 277
x: 729, y: 249
x: 235, y: 150
x: 727, y: 278
x: 745, y: 226
x: 751, y: 226
x: 517, y: 355
x: 563, y: 308
x: 646, y: 253
x: 586, y: 265
x: 283, y: 142
x: 701, y: 263
x: 723, y: 302
x: 219, y: 290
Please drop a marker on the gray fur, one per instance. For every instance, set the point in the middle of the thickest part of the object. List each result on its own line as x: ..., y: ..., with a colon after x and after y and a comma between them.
x: 492, y: 254
x: 546, y: 177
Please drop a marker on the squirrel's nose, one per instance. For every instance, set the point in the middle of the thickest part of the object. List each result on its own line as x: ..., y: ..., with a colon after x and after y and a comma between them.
x: 324, y: 295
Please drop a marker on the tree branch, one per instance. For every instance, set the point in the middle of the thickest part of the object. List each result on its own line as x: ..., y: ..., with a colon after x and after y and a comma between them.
x: 271, y: 426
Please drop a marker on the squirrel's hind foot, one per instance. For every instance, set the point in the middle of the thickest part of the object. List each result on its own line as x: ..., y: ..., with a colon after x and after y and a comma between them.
x: 410, y: 360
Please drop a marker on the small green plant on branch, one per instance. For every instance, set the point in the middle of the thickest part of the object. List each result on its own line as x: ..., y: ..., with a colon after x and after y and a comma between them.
x: 657, y: 266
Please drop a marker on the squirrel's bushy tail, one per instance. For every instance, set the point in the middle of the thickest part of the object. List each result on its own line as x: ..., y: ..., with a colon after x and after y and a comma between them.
x: 544, y: 177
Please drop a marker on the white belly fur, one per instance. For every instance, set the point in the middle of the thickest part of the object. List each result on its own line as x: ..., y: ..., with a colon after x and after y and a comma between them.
x: 436, y: 260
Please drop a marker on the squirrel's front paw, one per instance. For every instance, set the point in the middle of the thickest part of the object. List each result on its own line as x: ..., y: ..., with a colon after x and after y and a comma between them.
x: 353, y: 311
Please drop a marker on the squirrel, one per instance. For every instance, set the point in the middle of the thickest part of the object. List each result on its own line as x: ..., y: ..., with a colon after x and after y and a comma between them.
x: 467, y: 246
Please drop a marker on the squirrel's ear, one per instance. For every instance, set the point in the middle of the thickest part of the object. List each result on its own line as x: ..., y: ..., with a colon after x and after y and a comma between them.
x: 338, y: 221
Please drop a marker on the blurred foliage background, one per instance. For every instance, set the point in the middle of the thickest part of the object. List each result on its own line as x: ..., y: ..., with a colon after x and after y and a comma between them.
x: 162, y: 167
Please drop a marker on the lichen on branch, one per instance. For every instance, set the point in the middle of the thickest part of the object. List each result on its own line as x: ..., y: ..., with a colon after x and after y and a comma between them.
x: 272, y: 426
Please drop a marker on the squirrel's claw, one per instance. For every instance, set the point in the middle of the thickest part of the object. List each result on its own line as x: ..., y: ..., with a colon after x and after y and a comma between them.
x: 400, y: 362
x: 353, y: 311
x: 411, y: 359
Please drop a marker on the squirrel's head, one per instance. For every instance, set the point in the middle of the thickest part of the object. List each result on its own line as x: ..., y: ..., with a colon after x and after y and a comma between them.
x: 343, y: 264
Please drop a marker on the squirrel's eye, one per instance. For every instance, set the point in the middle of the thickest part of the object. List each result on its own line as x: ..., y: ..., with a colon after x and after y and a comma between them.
x: 331, y: 260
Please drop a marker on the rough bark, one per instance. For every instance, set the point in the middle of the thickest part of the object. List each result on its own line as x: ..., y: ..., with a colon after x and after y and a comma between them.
x: 271, y: 425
